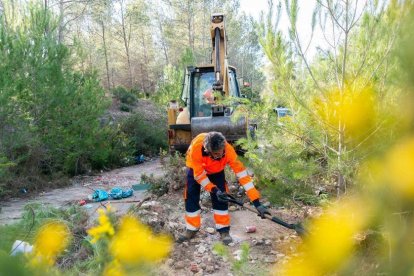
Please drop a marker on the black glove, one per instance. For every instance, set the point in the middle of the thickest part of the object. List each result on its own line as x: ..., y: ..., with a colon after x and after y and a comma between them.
x: 260, y: 209
x: 222, y: 197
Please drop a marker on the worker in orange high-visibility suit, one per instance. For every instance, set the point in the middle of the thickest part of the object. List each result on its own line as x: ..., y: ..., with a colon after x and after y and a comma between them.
x: 206, y: 158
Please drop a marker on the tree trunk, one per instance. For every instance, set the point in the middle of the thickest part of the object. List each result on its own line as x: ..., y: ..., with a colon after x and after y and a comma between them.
x: 106, y: 55
x: 126, y: 45
x: 163, y: 41
x: 145, y: 69
x: 61, y: 26
x: 2, y: 11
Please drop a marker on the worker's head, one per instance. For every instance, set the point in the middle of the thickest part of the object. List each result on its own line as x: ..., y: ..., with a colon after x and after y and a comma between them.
x: 214, y: 143
x: 208, y: 96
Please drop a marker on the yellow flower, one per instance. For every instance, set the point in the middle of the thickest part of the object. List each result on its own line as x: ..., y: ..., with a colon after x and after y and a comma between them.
x: 298, y: 266
x: 371, y: 173
x: 331, y: 239
x: 102, y: 229
x: 51, y: 239
x: 114, y: 268
x: 135, y: 243
x: 400, y: 168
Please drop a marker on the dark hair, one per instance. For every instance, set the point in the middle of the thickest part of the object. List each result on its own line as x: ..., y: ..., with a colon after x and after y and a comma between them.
x: 214, y: 141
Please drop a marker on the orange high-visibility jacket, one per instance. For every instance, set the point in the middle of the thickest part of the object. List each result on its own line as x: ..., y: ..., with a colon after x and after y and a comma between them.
x: 202, y: 164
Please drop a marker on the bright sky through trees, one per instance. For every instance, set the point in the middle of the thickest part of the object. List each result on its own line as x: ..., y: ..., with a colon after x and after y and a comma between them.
x: 306, y: 7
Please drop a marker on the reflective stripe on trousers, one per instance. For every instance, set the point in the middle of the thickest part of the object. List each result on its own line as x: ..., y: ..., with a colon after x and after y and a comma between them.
x: 192, y: 203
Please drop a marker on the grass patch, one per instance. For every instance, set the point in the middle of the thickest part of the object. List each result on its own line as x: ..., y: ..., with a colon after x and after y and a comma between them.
x: 34, y: 216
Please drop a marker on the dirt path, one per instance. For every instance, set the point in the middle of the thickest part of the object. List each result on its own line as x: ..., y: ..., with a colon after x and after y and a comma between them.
x: 269, y: 245
x: 11, y: 210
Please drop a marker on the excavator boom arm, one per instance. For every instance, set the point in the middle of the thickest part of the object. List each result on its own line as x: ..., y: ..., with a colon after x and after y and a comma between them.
x: 219, y: 54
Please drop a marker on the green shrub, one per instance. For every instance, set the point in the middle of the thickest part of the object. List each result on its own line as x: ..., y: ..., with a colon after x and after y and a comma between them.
x: 125, y: 96
x: 49, y: 112
x: 146, y: 136
x: 125, y: 107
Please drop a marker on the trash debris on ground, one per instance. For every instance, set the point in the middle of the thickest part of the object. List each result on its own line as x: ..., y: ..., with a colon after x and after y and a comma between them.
x: 141, y: 186
x: 99, y: 195
x: 118, y: 193
x: 250, y: 229
x: 21, y: 247
x: 140, y: 159
x: 82, y: 202
x: 102, y: 195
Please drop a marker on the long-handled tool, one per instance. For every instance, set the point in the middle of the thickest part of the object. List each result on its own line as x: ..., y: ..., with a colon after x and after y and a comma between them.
x: 296, y: 226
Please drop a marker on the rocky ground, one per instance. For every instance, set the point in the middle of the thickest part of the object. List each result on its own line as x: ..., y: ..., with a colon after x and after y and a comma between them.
x: 268, y: 246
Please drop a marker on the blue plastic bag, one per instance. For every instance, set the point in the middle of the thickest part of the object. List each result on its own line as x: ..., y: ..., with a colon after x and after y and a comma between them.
x: 127, y: 193
x: 118, y: 193
x: 100, y: 195
x: 140, y: 159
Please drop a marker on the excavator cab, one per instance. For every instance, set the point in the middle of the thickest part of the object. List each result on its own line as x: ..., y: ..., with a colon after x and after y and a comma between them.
x: 203, y: 86
x: 200, y: 96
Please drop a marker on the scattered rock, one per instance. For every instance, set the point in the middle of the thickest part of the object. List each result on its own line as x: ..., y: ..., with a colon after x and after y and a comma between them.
x: 232, y: 208
x: 231, y: 244
x: 209, y: 269
x: 201, y: 249
x: 173, y: 225
x: 280, y: 255
x: 179, y: 265
x: 270, y: 260
x: 199, y: 273
x: 150, y: 204
x: 198, y: 254
x: 194, y: 267
x: 273, y: 252
x: 237, y: 254
x: 268, y: 242
x: 210, y: 230
x: 260, y: 242
x: 169, y: 262
x: 266, y: 204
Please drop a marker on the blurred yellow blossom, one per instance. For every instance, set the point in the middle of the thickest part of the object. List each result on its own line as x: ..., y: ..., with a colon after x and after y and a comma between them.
x: 103, y: 228
x: 372, y: 173
x: 134, y: 242
x: 298, y: 266
x: 355, y: 111
x: 331, y: 239
x: 51, y: 239
x: 400, y: 167
x: 114, y: 268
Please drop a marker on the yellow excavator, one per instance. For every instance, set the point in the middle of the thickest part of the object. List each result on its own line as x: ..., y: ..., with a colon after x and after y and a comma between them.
x: 202, y: 86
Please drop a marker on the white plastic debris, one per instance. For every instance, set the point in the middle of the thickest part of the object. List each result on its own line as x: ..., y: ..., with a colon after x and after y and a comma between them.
x: 21, y: 247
